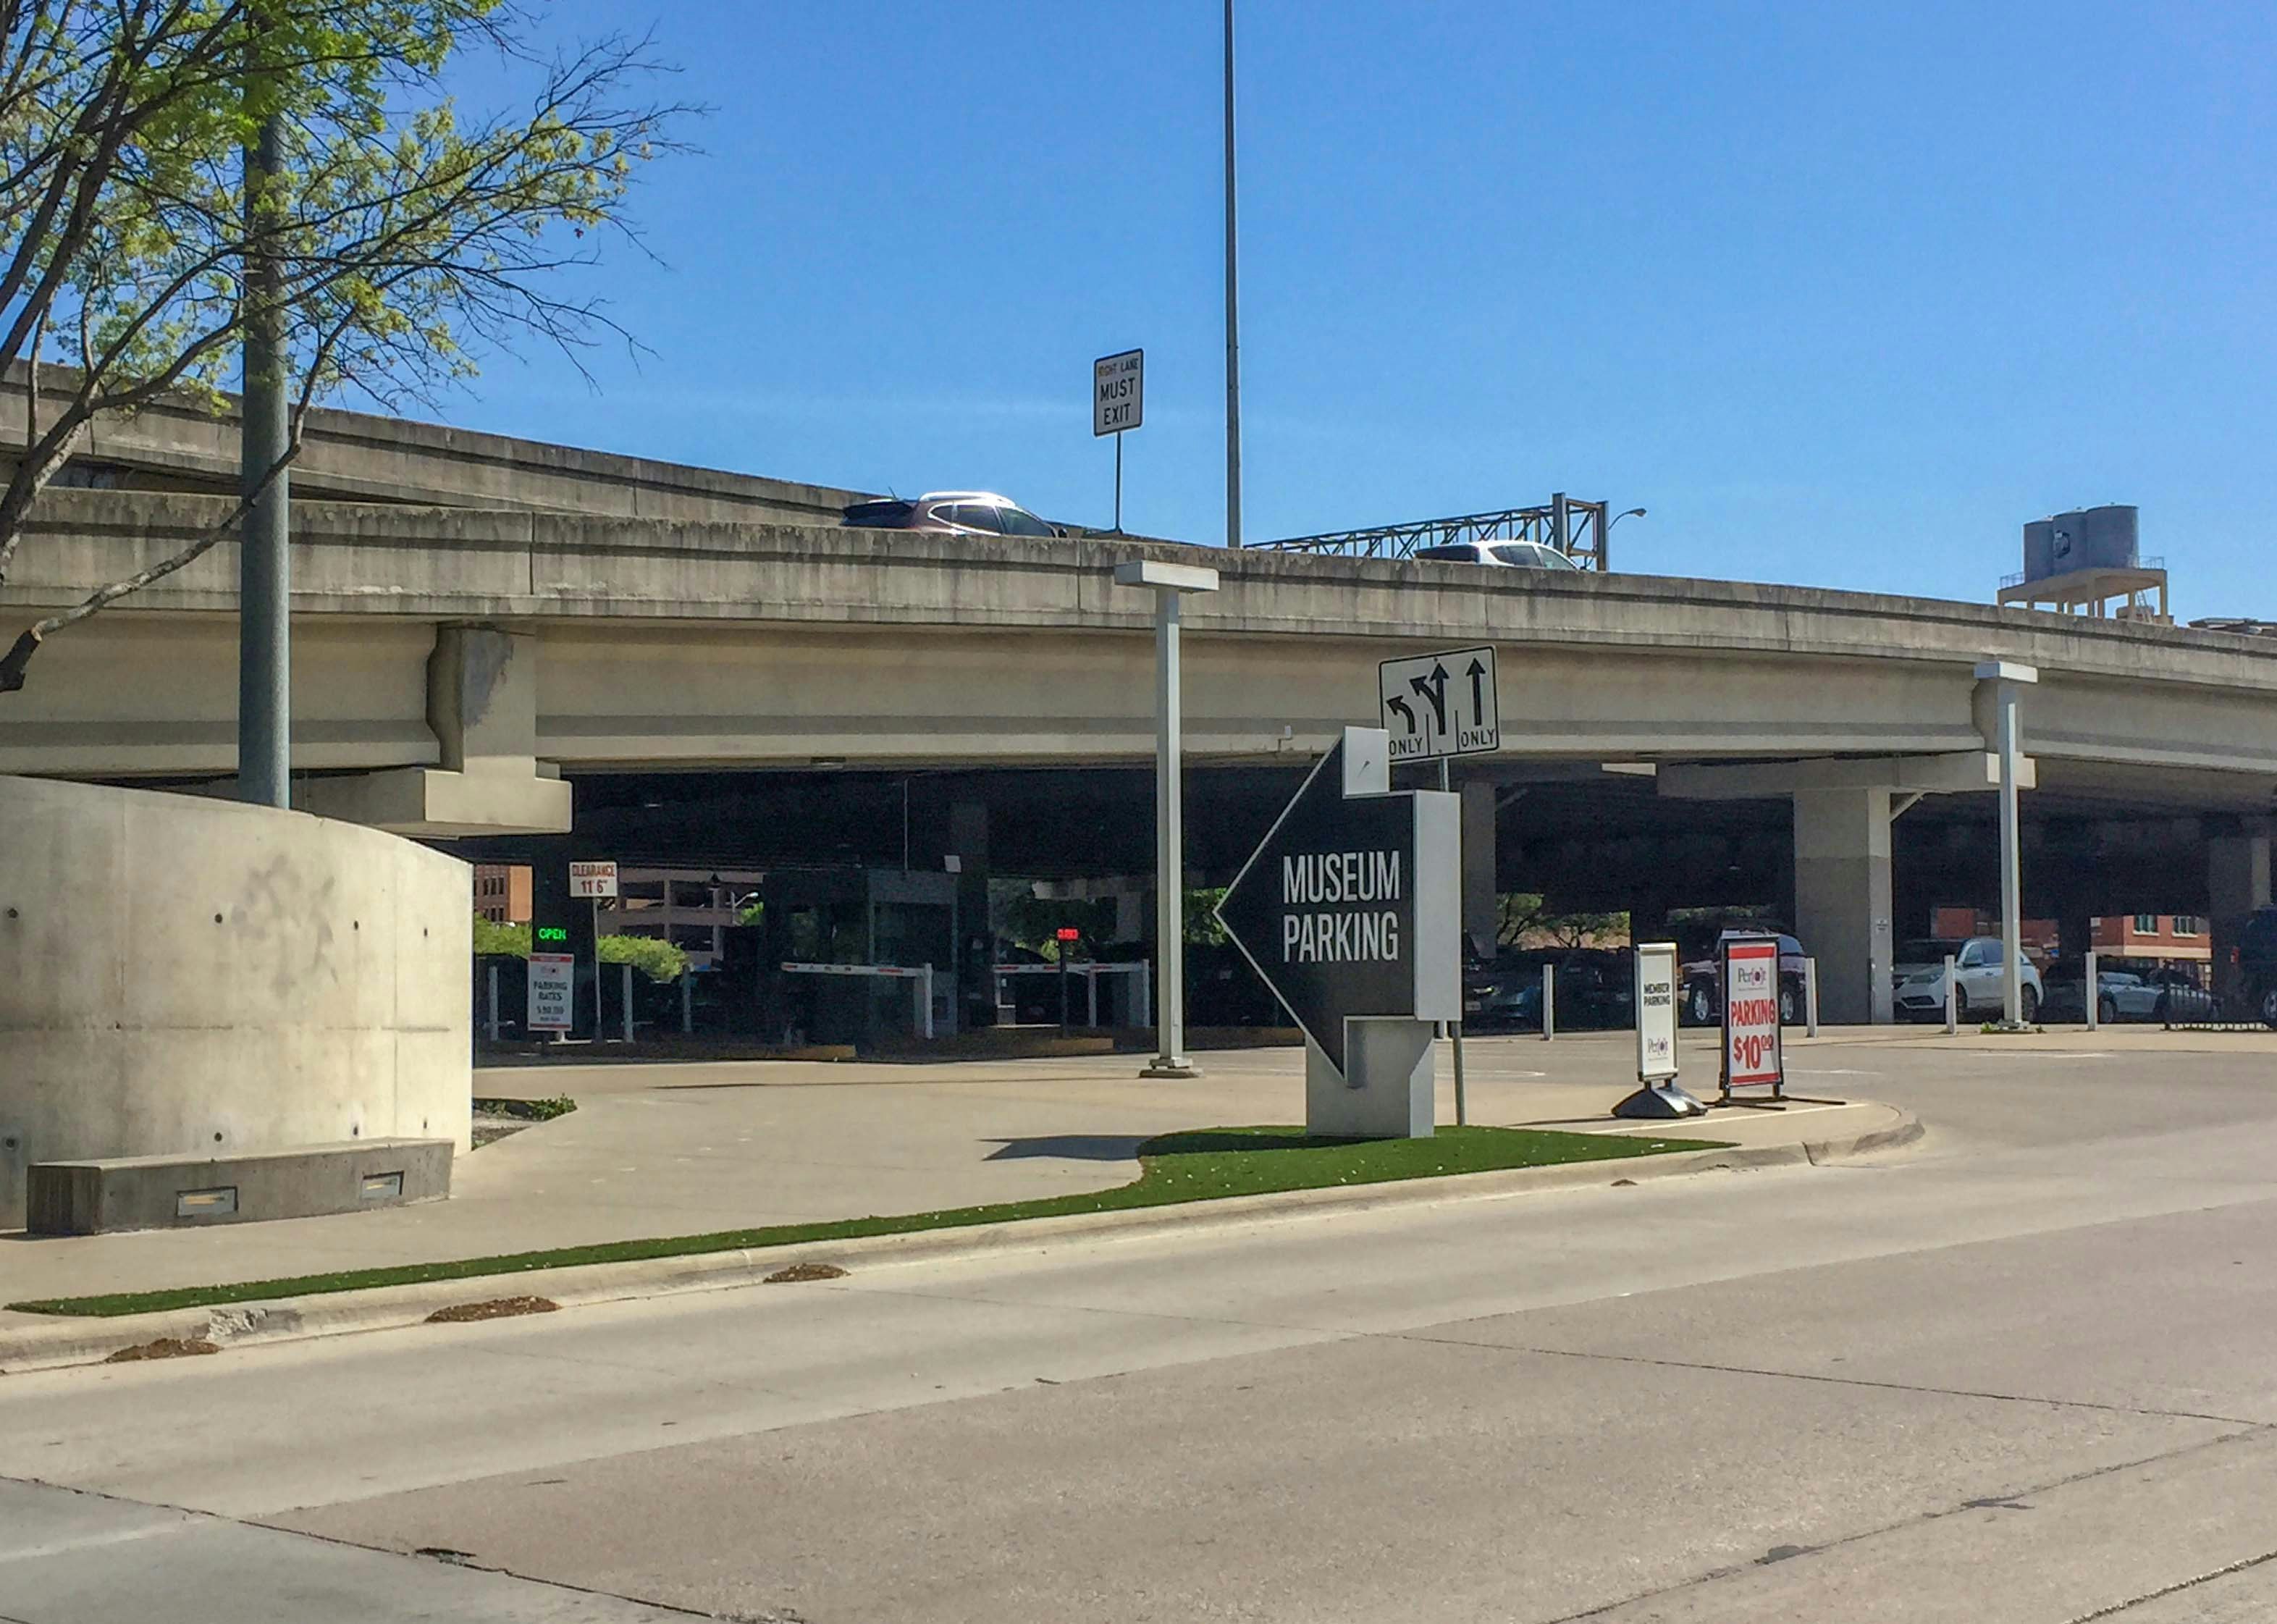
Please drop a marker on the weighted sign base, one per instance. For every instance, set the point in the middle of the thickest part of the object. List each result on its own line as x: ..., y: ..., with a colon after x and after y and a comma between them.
x: 1660, y: 1100
x: 1387, y: 1092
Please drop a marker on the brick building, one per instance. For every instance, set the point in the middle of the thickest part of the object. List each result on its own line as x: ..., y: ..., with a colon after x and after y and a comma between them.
x: 502, y: 893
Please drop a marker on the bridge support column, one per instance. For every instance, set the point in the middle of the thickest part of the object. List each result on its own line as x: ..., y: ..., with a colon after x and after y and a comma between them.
x: 1842, y: 899
x: 2238, y: 882
x: 1481, y: 901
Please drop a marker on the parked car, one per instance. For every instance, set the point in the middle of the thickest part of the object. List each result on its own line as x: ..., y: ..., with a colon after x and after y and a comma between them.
x: 1596, y: 990
x: 2182, y: 997
x: 1502, y: 554
x: 2257, y: 964
x: 2165, y: 992
x: 2121, y: 994
x: 1703, y: 981
x: 954, y: 513
x: 1918, y: 979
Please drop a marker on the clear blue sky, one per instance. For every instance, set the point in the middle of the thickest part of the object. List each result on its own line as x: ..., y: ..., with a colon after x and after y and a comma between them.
x: 1843, y: 295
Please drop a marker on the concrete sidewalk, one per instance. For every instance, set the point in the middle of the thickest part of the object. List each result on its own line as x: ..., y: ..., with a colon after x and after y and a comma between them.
x: 695, y: 1147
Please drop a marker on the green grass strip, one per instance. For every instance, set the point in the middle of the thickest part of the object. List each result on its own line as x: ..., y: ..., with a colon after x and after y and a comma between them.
x: 1209, y: 1164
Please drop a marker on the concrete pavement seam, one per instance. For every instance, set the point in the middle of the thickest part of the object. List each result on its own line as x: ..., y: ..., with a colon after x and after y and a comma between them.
x: 1708, y: 1367
x: 2070, y: 1481
x: 345, y: 1544
x: 197, y: 1517
x: 77, y: 1340
x: 2240, y: 1566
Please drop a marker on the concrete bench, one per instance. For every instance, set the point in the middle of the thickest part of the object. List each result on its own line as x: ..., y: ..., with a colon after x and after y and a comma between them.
x: 138, y: 1193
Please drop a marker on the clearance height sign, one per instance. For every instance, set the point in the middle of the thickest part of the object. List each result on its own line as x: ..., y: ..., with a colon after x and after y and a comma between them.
x: 1752, y: 1056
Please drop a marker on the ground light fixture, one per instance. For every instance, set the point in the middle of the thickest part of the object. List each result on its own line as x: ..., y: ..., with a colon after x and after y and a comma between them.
x: 1169, y: 582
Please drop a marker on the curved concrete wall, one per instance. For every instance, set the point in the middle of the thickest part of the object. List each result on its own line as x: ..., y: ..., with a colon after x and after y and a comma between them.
x: 180, y: 974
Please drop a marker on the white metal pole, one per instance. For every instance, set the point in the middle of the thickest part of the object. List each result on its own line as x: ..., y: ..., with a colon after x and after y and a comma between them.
x: 1811, y: 997
x: 493, y: 1021
x: 1169, y: 844
x: 1091, y: 995
x: 2093, y: 990
x: 1548, y: 1001
x: 923, y: 985
x: 2011, y: 887
x: 625, y: 985
x: 1145, y: 1012
x: 1952, y: 992
x: 686, y: 1002
x: 1232, y: 319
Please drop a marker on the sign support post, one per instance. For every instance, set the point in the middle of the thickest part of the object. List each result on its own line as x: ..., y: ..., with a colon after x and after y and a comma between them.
x: 1169, y: 582
x: 595, y: 881
x: 1455, y: 1027
x: 1118, y: 405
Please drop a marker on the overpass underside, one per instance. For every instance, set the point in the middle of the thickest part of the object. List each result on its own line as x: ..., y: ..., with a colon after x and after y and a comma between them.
x: 693, y: 692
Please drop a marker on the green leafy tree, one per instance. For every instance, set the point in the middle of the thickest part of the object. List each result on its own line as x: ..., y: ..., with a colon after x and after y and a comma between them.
x: 394, y: 239
x: 492, y: 937
x: 1523, y: 919
x: 1202, y: 924
x: 658, y: 961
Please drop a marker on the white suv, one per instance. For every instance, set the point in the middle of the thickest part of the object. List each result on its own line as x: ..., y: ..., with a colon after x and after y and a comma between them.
x: 951, y: 513
x: 1919, y: 979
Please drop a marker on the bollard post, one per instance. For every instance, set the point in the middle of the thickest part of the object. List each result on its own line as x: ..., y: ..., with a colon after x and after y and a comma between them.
x: 1811, y: 997
x: 492, y: 1022
x: 627, y: 987
x: 1952, y: 996
x: 1548, y: 1001
x: 2091, y: 989
x: 687, y: 1002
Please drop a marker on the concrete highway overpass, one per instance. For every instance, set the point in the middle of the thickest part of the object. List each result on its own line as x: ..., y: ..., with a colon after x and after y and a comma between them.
x: 498, y: 642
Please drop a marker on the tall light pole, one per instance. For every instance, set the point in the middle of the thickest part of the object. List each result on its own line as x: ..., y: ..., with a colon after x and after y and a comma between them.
x: 1232, y: 318
x: 2007, y: 677
x: 1169, y: 581
x: 1605, y: 538
x: 264, y: 656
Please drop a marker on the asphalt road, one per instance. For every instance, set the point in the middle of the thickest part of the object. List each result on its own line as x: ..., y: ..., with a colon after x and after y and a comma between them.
x: 2026, y: 1373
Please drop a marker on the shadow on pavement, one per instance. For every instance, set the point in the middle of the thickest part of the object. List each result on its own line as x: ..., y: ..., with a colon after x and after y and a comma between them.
x: 1072, y: 1146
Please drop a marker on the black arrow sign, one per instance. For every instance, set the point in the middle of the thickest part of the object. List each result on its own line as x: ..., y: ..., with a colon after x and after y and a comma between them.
x: 1324, y: 910
x: 1477, y: 673
x: 1434, y: 689
x: 1406, y: 711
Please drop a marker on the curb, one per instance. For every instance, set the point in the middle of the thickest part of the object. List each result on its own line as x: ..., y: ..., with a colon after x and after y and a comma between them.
x: 89, y: 1340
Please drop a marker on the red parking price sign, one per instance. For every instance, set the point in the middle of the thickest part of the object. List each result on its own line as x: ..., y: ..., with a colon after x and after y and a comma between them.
x: 1752, y: 1057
